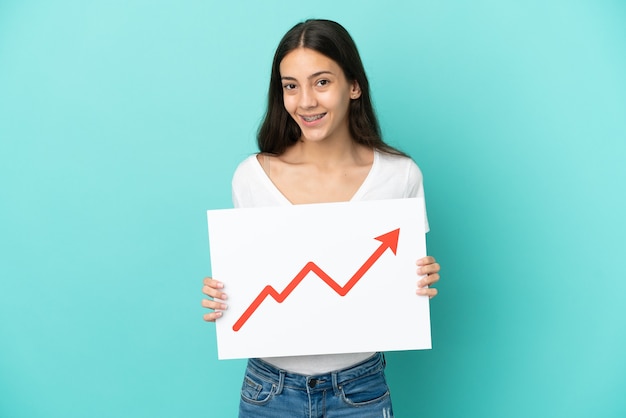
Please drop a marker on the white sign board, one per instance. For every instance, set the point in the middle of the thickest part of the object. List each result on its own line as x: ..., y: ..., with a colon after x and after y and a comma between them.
x: 320, y: 279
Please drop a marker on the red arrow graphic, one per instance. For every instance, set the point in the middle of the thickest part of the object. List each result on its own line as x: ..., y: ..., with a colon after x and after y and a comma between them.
x: 388, y: 240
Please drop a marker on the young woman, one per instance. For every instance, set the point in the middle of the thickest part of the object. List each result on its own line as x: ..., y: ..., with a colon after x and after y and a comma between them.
x: 320, y: 142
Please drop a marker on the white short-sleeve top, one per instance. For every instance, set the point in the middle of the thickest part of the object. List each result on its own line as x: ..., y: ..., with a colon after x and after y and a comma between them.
x: 391, y: 177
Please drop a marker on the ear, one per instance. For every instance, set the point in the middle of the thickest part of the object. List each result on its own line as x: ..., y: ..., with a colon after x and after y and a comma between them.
x: 355, y: 90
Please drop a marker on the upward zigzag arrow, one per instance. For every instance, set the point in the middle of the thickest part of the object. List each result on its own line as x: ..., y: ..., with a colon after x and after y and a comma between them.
x: 388, y: 240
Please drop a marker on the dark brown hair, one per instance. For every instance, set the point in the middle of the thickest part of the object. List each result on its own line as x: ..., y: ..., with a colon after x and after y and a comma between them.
x: 278, y: 130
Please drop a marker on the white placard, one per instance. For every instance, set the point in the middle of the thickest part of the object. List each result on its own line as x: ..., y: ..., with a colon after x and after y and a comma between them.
x: 320, y: 278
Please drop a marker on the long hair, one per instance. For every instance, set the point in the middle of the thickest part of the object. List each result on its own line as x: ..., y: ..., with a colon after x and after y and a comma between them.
x: 278, y: 130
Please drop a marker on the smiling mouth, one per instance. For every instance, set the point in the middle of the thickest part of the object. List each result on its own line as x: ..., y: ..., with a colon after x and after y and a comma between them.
x: 313, y: 118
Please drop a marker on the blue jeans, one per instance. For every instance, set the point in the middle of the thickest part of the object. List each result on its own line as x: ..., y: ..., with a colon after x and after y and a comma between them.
x: 358, y: 391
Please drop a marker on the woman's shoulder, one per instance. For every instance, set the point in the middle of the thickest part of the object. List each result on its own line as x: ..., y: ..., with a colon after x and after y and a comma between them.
x: 246, y: 173
x: 247, y: 167
x: 248, y: 162
x: 398, y: 167
x: 396, y: 162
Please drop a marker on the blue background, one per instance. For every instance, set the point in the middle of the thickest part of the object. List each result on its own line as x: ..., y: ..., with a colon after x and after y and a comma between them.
x: 121, y: 123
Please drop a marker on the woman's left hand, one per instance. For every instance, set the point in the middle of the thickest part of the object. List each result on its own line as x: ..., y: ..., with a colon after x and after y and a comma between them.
x: 429, y: 268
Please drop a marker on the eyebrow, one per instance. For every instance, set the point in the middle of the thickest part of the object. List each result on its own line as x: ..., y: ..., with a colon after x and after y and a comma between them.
x: 317, y: 74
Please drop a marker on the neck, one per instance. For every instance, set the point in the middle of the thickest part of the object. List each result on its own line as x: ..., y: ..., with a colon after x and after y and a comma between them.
x: 327, y: 153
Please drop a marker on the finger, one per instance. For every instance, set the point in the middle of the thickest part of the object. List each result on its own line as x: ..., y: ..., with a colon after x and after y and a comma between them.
x: 428, y: 280
x: 429, y: 269
x: 430, y: 292
x: 426, y: 260
x: 214, y: 293
x: 212, y: 316
x: 208, y: 281
x: 212, y: 304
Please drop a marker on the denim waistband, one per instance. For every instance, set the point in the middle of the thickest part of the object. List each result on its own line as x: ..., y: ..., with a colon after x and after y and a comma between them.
x: 282, y: 378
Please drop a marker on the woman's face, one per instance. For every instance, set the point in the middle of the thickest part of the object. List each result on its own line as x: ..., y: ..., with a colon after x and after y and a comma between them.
x: 317, y: 95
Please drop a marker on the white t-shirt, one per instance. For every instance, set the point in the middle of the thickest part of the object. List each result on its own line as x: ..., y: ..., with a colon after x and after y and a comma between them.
x: 391, y: 177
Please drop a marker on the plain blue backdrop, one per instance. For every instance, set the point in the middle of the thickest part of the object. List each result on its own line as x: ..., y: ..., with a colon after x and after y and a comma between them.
x: 121, y: 123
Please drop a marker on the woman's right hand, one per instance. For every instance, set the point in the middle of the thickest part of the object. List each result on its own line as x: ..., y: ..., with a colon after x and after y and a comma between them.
x: 212, y: 288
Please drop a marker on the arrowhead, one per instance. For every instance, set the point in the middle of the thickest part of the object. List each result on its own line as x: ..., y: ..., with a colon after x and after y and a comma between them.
x: 390, y: 240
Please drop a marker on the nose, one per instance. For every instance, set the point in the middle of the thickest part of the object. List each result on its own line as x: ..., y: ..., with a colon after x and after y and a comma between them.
x: 307, y: 98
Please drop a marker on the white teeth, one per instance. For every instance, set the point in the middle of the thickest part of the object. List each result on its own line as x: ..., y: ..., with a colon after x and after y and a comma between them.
x: 313, y: 118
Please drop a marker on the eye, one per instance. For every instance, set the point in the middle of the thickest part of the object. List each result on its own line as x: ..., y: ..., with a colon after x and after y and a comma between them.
x: 289, y: 86
x: 323, y: 82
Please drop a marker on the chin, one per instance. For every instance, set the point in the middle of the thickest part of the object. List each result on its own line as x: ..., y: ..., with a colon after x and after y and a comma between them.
x: 314, y: 138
